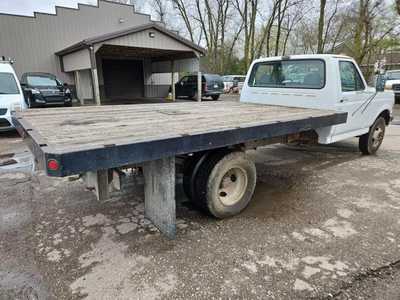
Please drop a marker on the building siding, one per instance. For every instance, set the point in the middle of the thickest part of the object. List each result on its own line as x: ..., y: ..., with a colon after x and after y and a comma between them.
x: 141, y: 39
x: 181, y: 65
x: 32, y: 41
x: 78, y: 60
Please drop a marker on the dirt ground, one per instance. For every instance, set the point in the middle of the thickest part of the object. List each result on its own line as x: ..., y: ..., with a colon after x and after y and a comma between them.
x: 324, y: 223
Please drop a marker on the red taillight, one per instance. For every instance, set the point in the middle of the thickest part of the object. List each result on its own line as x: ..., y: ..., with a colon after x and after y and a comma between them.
x: 53, y: 165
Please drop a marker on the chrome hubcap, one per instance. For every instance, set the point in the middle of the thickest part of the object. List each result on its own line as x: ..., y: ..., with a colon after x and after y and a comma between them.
x: 233, y: 186
x: 377, y: 136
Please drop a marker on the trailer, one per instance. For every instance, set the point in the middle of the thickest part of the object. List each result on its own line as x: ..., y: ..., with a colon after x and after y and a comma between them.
x: 210, y: 137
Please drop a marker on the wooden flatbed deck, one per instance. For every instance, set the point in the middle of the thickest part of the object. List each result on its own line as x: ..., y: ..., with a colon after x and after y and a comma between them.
x: 94, y: 140
x: 101, y: 137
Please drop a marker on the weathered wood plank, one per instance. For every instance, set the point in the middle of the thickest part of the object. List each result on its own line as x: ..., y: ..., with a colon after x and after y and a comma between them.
x: 107, y: 125
x: 160, y: 194
x: 140, y: 131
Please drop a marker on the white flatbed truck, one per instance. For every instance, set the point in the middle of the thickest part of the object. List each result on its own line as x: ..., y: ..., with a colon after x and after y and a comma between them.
x: 295, y: 99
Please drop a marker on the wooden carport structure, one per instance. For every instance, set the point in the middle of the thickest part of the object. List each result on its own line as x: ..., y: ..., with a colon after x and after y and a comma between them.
x: 150, y: 50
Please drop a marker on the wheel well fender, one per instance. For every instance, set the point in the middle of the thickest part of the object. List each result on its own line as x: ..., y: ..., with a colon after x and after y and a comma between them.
x: 386, y: 115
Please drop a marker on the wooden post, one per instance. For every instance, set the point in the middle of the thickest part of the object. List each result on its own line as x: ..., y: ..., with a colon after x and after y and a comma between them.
x: 199, y: 84
x: 95, y: 78
x: 99, y: 183
x: 173, y: 80
x: 78, y: 87
x: 159, y: 190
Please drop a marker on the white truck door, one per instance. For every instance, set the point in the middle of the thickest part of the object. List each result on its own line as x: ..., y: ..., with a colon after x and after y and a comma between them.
x: 353, y: 95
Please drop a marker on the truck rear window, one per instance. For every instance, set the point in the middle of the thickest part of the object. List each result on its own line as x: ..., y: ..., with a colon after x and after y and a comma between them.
x: 300, y: 73
x: 8, y: 85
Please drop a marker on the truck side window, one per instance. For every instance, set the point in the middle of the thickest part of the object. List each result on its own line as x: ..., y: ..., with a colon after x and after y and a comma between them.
x: 349, y: 77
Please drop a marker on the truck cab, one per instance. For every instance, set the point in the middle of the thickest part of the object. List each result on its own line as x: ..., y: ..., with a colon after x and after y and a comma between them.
x: 332, y: 82
x: 11, y: 96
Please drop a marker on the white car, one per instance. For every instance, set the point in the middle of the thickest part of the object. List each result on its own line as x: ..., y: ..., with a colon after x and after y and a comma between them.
x: 11, y: 95
x: 332, y: 82
x: 392, y: 82
x: 233, y: 83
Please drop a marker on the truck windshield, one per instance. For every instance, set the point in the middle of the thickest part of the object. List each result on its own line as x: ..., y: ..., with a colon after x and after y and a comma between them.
x: 300, y: 73
x: 8, y: 85
x: 393, y: 75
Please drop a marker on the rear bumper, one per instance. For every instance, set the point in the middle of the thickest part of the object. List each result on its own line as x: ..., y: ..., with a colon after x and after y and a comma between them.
x: 212, y: 93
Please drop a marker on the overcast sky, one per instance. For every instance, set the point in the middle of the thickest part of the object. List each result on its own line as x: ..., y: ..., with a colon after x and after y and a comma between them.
x: 27, y: 7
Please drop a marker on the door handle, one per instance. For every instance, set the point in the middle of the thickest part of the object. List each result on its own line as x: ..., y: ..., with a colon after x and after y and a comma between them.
x: 343, y: 100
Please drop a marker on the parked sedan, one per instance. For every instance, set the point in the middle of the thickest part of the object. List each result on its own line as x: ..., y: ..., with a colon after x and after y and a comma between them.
x: 42, y: 89
x: 212, y: 86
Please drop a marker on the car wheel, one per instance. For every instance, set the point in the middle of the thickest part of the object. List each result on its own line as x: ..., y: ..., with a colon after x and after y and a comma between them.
x: 215, y: 97
x: 68, y: 104
x: 370, y: 142
x: 225, y: 183
x: 194, y: 96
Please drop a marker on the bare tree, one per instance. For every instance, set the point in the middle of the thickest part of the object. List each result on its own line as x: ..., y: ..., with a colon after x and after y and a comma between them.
x: 321, y: 24
x: 160, y: 9
x: 181, y: 6
x: 247, y: 10
x: 398, y: 6
x: 266, y: 30
x: 294, y: 16
x: 367, y: 35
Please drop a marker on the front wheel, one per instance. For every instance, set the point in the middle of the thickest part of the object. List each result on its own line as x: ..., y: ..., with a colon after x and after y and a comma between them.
x: 215, y: 97
x: 225, y: 183
x: 370, y: 142
x: 194, y: 96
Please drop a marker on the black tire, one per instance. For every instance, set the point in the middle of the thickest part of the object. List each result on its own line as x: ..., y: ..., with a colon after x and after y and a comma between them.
x: 194, y: 96
x: 370, y: 142
x: 68, y: 104
x: 215, y: 97
x: 214, y: 172
x: 191, y: 166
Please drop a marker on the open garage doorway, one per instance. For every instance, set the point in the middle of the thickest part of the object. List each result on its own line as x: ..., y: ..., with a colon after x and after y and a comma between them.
x: 123, y: 79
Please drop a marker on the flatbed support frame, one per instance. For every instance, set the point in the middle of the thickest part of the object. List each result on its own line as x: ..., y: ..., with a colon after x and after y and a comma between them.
x: 157, y: 157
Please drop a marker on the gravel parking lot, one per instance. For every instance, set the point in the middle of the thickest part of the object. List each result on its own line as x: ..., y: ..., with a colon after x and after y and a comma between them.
x: 323, y: 223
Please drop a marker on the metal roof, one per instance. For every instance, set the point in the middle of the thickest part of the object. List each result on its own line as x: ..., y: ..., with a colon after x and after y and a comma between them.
x: 105, y: 37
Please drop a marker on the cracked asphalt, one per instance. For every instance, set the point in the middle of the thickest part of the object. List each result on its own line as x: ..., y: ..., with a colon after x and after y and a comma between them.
x: 324, y: 223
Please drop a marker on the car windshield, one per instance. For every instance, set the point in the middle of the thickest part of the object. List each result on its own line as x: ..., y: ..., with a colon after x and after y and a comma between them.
x: 8, y: 85
x: 240, y: 78
x: 227, y: 78
x: 393, y: 75
x: 300, y: 73
x: 212, y: 77
x: 41, y: 81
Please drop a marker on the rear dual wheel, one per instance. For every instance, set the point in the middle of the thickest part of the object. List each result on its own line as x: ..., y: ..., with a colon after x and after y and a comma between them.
x: 222, y: 183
